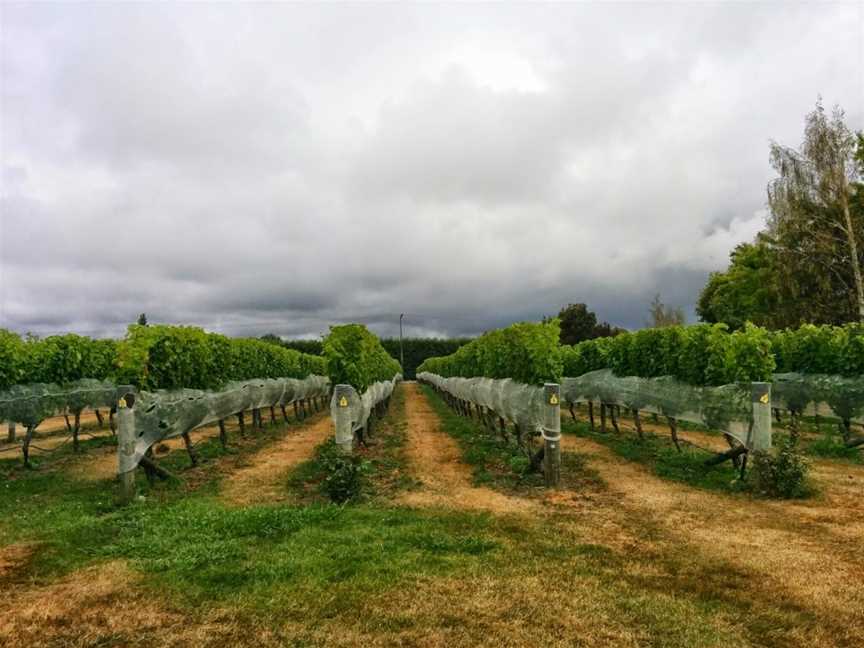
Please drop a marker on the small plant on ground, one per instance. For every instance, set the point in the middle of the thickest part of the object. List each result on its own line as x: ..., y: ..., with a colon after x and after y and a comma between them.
x: 780, y: 474
x: 344, y: 473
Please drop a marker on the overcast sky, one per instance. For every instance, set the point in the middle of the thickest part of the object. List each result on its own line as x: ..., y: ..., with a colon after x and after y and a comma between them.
x: 278, y: 168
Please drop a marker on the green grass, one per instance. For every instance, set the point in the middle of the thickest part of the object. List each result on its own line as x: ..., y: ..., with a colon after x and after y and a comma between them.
x: 372, y: 567
x: 831, y: 446
x: 493, y: 461
x: 385, y: 469
x: 322, y: 563
x: 661, y: 456
x: 823, y: 439
x: 499, y: 464
x: 12, y: 461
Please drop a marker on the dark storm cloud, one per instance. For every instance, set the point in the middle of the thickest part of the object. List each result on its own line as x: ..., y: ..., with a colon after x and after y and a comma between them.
x: 279, y: 168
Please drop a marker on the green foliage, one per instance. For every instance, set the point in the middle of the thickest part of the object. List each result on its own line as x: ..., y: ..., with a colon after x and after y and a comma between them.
x: 344, y: 473
x: 414, y: 350
x: 657, y: 453
x: 67, y: 358
x: 747, y: 291
x: 313, y: 347
x: 703, y: 354
x: 590, y: 355
x: 810, y: 349
x: 12, y: 354
x: 417, y: 350
x: 170, y: 357
x: 355, y: 357
x: 818, y: 250
x: 780, y: 474
x: 578, y: 324
x: 526, y: 352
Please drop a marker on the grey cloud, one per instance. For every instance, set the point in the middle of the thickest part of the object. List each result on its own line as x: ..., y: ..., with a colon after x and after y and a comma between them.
x: 283, y: 167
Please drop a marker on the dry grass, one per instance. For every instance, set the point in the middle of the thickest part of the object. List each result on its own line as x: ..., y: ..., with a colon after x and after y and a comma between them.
x: 434, y: 459
x: 642, y: 562
x: 798, y: 552
x: 263, y: 475
x: 108, y: 605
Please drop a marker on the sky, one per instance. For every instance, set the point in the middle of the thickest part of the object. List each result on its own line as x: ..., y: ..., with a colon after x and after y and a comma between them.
x: 280, y: 168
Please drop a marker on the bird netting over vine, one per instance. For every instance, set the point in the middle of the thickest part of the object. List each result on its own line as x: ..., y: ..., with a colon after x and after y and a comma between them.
x: 822, y: 394
x: 516, y: 402
x: 161, y: 415
x: 728, y: 408
x: 31, y: 404
x: 356, y: 408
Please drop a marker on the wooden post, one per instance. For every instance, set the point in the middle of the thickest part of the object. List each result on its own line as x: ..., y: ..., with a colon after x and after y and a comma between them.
x: 11, y: 434
x: 552, y: 433
x: 223, y: 434
x: 760, y: 434
x: 126, y: 446
x: 340, y: 410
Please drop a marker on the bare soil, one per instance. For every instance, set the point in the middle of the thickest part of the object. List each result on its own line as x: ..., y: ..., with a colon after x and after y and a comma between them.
x: 435, y: 460
x: 262, y: 477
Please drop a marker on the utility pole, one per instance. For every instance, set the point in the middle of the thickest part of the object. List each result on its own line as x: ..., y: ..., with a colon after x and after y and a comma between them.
x: 401, y: 351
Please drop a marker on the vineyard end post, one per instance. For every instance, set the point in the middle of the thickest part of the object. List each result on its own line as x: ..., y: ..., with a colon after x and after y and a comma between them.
x: 340, y: 410
x: 761, y: 435
x: 552, y: 433
x: 126, y: 446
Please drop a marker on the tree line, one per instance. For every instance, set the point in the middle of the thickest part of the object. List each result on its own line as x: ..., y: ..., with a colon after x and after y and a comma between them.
x: 805, y: 266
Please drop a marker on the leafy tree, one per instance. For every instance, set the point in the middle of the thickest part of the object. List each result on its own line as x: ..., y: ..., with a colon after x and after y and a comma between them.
x: 578, y: 324
x: 663, y: 315
x: 747, y: 292
x: 816, y: 223
x: 142, y: 319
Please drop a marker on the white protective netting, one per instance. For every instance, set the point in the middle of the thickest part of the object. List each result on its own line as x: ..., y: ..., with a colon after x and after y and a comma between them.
x: 515, y: 402
x: 167, y: 414
x: 820, y: 394
x: 728, y: 408
x: 31, y: 404
x: 351, y: 411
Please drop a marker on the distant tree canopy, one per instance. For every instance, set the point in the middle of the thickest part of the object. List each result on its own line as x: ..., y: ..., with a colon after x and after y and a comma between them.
x: 142, y: 319
x: 578, y: 324
x: 416, y: 349
x: 806, y: 266
x: 747, y: 292
x: 662, y: 315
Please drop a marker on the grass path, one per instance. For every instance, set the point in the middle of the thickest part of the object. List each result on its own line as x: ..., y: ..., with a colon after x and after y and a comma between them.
x: 262, y: 476
x: 435, y: 460
x: 803, y: 552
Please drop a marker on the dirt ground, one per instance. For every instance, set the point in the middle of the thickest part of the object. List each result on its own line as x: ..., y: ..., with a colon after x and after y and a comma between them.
x: 435, y: 460
x: 262, y: 477
x: 52, y: 434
